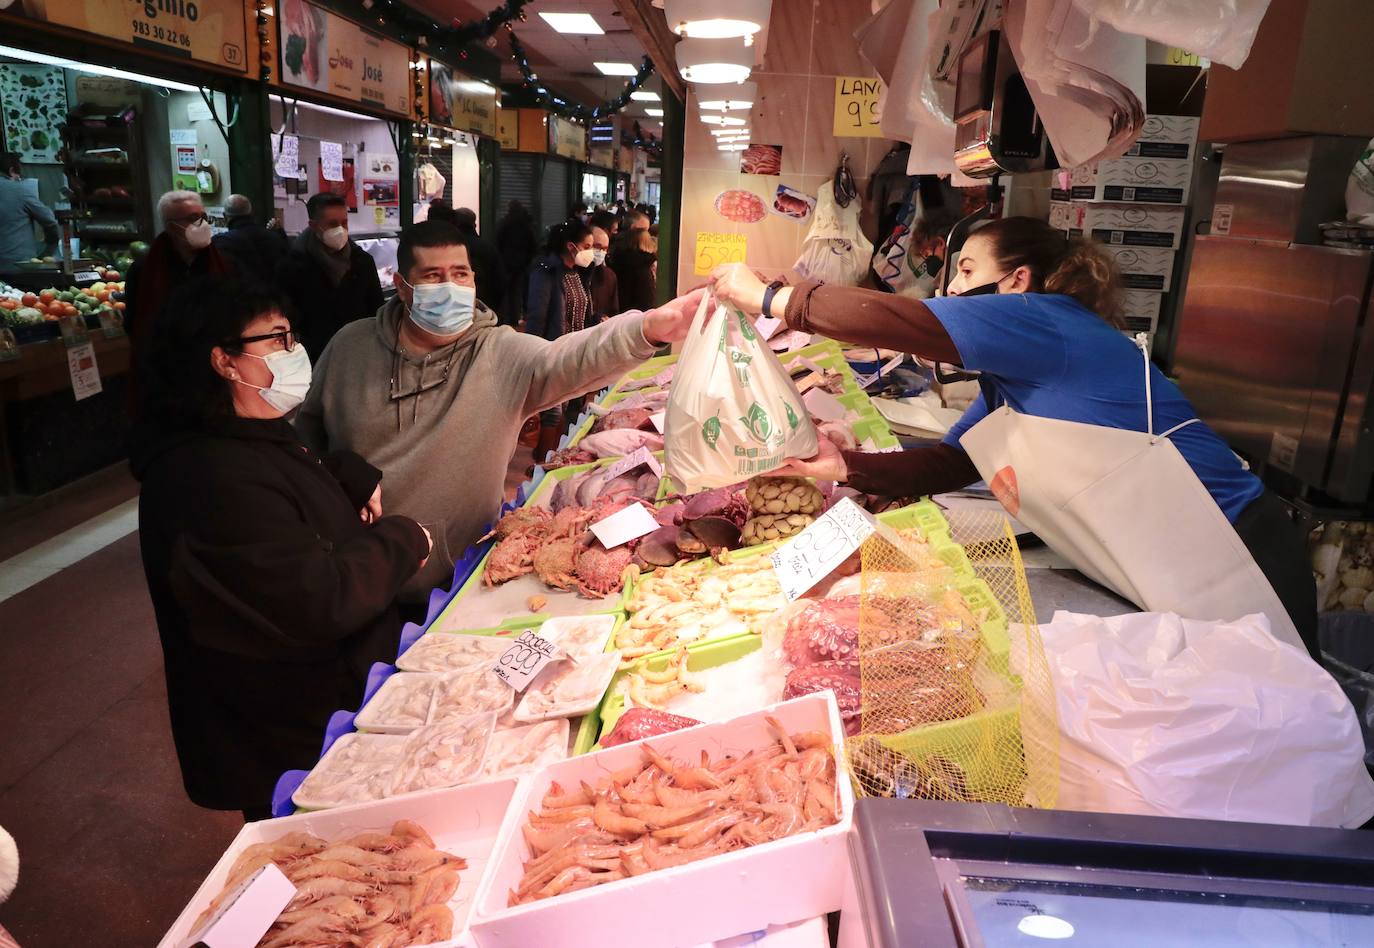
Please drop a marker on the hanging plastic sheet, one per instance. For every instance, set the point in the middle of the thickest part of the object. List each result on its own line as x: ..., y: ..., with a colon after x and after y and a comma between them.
x: 1087, y: 79
x: 1219, y: 30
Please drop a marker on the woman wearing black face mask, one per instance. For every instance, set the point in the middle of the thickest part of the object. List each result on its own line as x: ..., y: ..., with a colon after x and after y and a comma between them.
x: 1076, y: 433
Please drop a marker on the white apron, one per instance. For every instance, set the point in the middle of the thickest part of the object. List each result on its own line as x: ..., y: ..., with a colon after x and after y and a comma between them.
x: 1127, y: 510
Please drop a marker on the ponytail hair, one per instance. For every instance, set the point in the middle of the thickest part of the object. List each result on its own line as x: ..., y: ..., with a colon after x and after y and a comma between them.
x: 1071, y: 266
x: 570, y: 231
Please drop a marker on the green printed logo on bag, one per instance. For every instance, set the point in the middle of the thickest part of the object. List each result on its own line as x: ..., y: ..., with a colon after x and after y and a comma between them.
x: 710, y: 431
x: 741, y: 362
x: 745, y: 327
x: 758, y: 424
x: 792, y: 420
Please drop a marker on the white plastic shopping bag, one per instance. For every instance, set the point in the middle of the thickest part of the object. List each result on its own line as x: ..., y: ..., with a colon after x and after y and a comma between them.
x: 1165, y: 716
x: 1220, y: 30
x: 733, y: 411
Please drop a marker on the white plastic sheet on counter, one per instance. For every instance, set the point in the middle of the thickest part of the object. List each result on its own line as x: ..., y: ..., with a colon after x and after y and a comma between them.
x: 1176, y: 717
x: 1220, y: 30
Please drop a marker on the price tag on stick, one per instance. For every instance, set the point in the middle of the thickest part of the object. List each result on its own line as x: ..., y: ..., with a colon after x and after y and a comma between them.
x: 815, y: 553
x: 522, y: 662
x: 625, y: 525
x: 641, y: 456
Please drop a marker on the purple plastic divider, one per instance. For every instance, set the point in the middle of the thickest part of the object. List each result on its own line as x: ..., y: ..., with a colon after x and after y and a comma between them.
x: 379, y: 673
x: 281, y: 793
x: 410, y: 634
x: 340, y: 723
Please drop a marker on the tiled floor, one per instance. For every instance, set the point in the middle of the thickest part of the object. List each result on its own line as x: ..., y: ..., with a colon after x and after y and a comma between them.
x: 110, y: 848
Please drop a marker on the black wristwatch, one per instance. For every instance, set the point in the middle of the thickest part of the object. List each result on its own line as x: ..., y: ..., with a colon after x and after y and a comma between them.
x: 768, y: 295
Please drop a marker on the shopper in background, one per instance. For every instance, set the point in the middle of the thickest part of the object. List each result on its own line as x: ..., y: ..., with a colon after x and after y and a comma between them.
x: 255, y: 250
x: 607, y: 221
x: 20, y: 212
x: 436, y: 392
x: 558, y: 301
x: 273, y: 599
x: 330, y: 280
x: 517, y: 244
x: 601, y: 282
x: 1083, y: 440
x: 632, y: 257
x: 182, y: 251
x: 486, y: 261
x: 578, y: 212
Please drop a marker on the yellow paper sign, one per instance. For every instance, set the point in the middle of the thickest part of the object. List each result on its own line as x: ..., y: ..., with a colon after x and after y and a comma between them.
x: 856, y: 107
x: 381, y: 214
x: 714, y: 249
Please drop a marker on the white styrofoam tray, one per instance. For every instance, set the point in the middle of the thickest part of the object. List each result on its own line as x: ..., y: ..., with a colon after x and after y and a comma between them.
x: 462, y: 820
x: 777, y: 883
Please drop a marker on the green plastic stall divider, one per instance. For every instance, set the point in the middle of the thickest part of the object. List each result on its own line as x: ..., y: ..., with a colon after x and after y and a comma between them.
x: 700, y: 656
x: 581, y: 431
x: 646, y: 370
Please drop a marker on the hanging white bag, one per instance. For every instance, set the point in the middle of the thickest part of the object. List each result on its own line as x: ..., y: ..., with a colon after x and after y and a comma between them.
x: 835, y: 249
x: 1165, y: 716
x: 733, y: 411
x: 1219, y: 30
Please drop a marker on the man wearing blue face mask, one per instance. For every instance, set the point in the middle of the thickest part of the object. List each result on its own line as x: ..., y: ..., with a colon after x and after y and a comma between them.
x: 435, y: 392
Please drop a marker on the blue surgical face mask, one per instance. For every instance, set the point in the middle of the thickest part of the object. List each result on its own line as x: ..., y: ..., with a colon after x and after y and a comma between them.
x: 444, y: 309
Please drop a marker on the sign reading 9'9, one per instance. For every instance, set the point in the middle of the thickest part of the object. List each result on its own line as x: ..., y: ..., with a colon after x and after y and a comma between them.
x: 207, y: 31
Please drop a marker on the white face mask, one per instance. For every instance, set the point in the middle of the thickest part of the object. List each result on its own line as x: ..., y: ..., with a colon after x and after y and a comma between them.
x: 584, y: 258
x: 444, y: 309
x: 598, y: 256
x: 198, y: 235
x: 290, y: 370
x: 335, y: 238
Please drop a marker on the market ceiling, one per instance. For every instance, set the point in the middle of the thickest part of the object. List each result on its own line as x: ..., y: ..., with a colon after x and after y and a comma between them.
x: 564, y: 60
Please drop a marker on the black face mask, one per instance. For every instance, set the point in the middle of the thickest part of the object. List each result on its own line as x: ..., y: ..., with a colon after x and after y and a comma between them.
x: 987, y: 288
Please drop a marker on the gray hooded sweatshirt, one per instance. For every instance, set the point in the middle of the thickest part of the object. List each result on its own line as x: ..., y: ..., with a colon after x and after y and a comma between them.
x: 444, y: 453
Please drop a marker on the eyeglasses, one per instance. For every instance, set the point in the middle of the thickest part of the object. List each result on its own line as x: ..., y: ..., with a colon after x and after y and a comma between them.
x: 288, y: 338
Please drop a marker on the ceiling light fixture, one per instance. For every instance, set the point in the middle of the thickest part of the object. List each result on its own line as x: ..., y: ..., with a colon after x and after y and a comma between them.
x: 714, y: 60
x: 581, y: 23
x: 616, y: 69
x: 725, y: 120
x: 716, y: 19
x: 45, y: 60
x: 719, y: 132
x: 731, y: 98
x: 656, y: 113
x: 644, y: 95
x: 734, y: 146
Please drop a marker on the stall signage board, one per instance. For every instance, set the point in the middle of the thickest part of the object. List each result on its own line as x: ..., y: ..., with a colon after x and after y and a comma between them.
x: 567, y: 138
x: 329, y: 54
x: 84, y: 371
x: 460, y: 101
x: 206, y: 31
x: 508, y: 128
x: 713, y: 249
x: 856, y: 107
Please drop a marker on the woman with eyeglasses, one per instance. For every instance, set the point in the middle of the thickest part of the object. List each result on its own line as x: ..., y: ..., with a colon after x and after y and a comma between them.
x: 273, y: 572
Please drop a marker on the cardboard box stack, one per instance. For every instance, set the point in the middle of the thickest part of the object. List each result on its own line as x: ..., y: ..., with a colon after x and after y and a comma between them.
x: 1135, y: 205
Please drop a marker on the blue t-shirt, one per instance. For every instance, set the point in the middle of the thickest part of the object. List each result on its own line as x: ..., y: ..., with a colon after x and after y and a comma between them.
x: 1049, y: 356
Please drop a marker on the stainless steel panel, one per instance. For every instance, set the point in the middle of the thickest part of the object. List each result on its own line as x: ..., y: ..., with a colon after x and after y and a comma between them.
x: 1352, y: 466
x: 1283, y: 189
x: 1264, y: 346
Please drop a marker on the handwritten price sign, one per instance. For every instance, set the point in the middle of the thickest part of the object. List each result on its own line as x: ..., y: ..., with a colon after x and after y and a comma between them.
x: 856, y: 107
x: 714, y: 249
x: 523, y: 661
x: 815, y: 552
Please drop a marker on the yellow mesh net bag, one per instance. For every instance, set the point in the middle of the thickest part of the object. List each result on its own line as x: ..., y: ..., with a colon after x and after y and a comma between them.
x: 957, y: 698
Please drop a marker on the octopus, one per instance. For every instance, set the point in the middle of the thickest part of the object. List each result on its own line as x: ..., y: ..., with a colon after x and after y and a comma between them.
x: 839, y: 677
x: 663, y: 812
x: 373, y: 888
x: 828, y: 629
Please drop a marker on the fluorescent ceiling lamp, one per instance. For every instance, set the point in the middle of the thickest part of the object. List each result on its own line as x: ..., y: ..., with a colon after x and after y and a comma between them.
x: 616, y: 69
x: 656, y: 113
x: 726, y: 120
x: 45, y: 60
x: 716, y: 19
x: 730, y: 98
x: 357, y: 117
x: 644, y: 95
x: 573, y: 23
x: 1045, y: 926
x: 714, y: 60
x: 729, y: 131
x: 734, y: 146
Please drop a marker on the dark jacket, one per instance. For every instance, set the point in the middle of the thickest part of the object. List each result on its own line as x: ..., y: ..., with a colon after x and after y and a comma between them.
x: 255, y: 251
x: 634, y: 272
x: 272, y: 597
x: 603, y: 288
x: 486, y: 269
x: 545, y: 313
x: 323, y: 308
